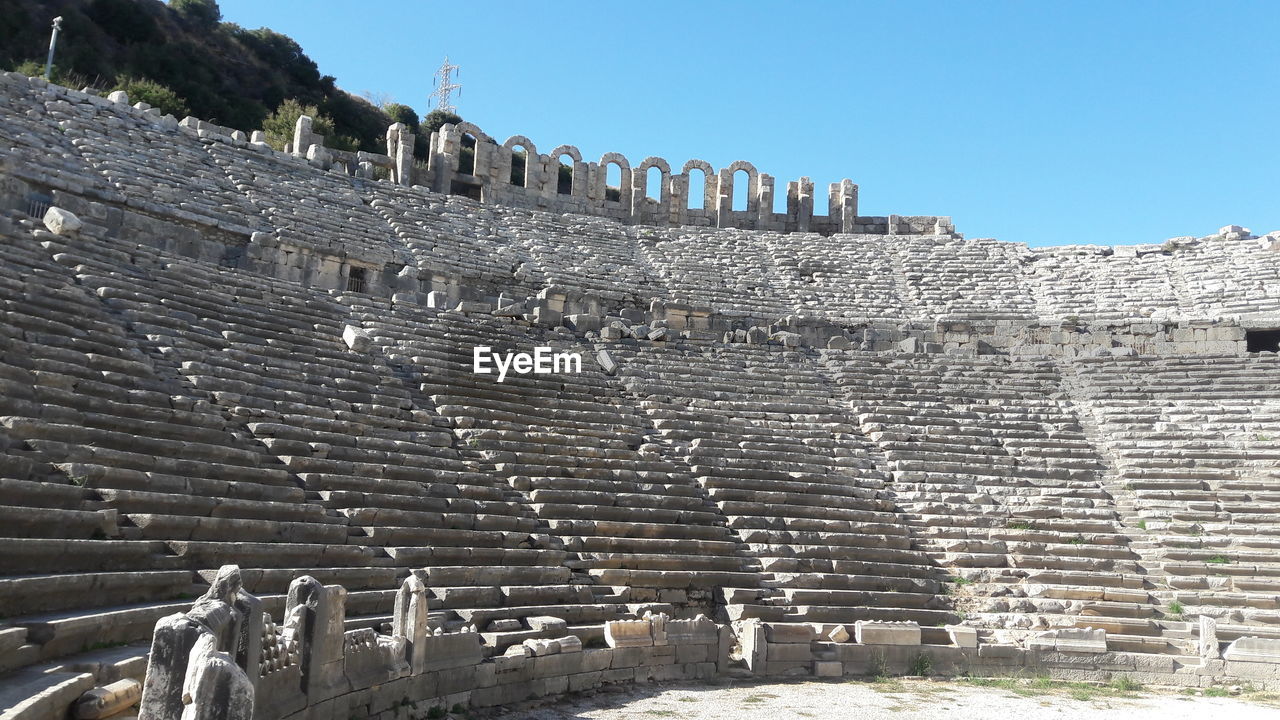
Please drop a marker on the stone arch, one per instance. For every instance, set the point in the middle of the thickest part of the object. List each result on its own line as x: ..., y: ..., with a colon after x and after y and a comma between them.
x: 473, y: 131
x: 530, y: 159
x: 641, y: 176
x: 708, y: 184
x: 553, y: 169
x: 569, y: 150
x: 727, y: 182
x: 624, y: 176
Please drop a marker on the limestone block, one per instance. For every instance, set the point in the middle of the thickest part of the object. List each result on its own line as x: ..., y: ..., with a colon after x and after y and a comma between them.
x: 503, y: 625
x: 473, y: 306
x: 545, y: 622
x: 963, y: 636
x: 541, y: 647
x: 628, y: 633
x: 789, y: 652
x: 1209, y: 638
x: 755, y: 336
x: 1076, y: 640
x: 108, y: 700
x: 611, y: 333
x: 658, y: 334
x: 828, y: 668
x: 569, y: 644
x: 357, y: 339
x: 838, y: 635
x: 788, y: 339
x: 119, y: 96
x: 62, y: 222
x: 582, y: 323
x: 838, y: 342
x: 1254, y: 649
x: 789, y: 633
x: 258, y: 137
x: 876, y: 632
x: 451, y: 650
x: 699, y: 631
x: 606, y: 361
x: 437, y: 299
x: 546, y: 317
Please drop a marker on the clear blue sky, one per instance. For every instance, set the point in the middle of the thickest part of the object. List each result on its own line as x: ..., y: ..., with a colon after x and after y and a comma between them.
x: 1040, y: 122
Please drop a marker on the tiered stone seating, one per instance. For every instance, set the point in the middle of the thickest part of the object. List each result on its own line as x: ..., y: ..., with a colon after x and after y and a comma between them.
x: 1091, y: 282
x: 1194, y: 442
x: 308, y: 208
x: 947, y: 277
x: 999, y: 483
x: 517, y: 251
x: 730, y: 270
x: 33, y: 143
x: 1225, y: 277
x: 842, y: 277
x: 442, y: 236
x: 95, y: 434
x: 633, y: 522
x: 158, y: 172
x: 395, y: 490
x: 785, y: 464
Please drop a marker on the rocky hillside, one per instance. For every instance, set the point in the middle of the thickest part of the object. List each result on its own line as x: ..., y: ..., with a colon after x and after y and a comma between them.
x: 219, y: 71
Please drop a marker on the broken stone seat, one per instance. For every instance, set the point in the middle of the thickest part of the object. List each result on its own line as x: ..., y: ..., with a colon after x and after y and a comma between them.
x: 70, y: 632
x: 26, y: 594
x: 34, y: 693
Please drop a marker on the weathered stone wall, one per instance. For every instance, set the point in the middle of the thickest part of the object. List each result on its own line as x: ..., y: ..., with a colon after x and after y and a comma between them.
x: 486, y: 173
x: 226, y: 659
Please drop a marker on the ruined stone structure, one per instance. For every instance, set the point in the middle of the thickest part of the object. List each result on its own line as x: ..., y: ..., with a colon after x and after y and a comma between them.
x: 819, y: 450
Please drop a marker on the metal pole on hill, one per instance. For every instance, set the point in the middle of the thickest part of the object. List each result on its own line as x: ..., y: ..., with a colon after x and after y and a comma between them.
x: 53, y: 44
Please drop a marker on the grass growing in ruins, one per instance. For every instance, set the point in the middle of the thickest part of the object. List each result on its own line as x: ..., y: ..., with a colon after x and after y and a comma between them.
x: 1019, y: 525
x: 921, y: 665
x: 1175, y: 610
x: 877, y: 668
x: 961, y: 580
x: 1219, y: 560
x: 1045, y: 685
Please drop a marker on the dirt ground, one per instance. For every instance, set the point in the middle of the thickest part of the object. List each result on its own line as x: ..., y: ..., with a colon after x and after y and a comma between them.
x: 904, y: 699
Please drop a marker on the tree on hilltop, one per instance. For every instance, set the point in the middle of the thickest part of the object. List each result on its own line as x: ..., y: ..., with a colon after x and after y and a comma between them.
x: 202, y: 13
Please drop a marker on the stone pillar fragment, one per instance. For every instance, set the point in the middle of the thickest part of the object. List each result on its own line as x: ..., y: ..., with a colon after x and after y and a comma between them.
x: 320, y: 612
x: 400, y: 149
x: 410, y: 622
x: 1209, y: 648
x: 215, y: 688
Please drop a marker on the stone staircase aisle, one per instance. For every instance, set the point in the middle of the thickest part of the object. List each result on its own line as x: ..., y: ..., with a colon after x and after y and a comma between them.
x: 784, y: 463
x: 1000, y: 485
x: 1191, y: 439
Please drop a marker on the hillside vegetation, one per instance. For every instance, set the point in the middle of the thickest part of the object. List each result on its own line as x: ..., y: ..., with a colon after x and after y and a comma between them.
x: 182, y: 58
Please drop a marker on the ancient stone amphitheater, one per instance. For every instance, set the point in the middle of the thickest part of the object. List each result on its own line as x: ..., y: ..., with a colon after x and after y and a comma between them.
x: 240, y: 429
